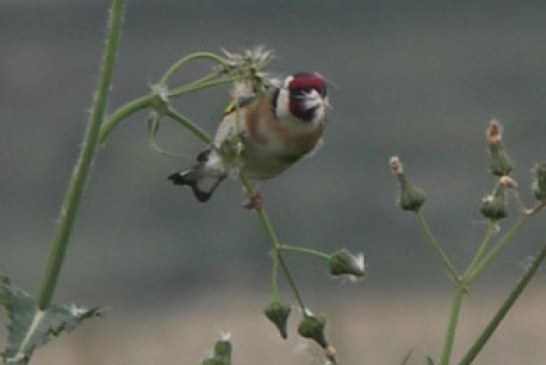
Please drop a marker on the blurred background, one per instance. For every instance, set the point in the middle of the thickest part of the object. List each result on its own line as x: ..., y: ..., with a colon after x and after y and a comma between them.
x: 417, y: 79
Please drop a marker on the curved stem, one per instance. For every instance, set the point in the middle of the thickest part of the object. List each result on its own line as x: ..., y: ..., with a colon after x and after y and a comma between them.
x: 454, y: 276
x: 122, y: 113
x: 495, y: 251
x: 278, y: 258
x: 203, y: 83
x: 71, y: 200
x: 491, y: 226
x: 192, y: 57
x: 308, y: 251
x: 189, y: 125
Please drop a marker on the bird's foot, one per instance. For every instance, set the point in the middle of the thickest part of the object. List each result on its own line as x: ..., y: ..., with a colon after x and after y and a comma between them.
x: 255, y: 201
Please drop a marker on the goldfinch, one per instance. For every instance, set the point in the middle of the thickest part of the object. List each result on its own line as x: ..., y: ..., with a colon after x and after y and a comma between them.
x: 275, y: 129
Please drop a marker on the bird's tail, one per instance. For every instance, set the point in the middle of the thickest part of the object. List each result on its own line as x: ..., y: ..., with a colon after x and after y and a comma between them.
x: 202, y: 178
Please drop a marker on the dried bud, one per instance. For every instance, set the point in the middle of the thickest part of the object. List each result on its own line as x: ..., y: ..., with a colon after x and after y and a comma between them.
x: 330, y: 353
x: 508, y: 182
x: 312, y: 327
x: 396, y: 165
x: 343, y: 262
x: 411, y: 198
x: 278, y: 313
x: 500, y: 163
x: 494, y: 205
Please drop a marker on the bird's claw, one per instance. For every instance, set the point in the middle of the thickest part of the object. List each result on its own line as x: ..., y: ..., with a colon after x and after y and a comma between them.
x: 255, y: 201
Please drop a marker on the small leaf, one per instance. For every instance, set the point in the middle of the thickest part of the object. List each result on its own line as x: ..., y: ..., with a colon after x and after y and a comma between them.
x: 30, y: 327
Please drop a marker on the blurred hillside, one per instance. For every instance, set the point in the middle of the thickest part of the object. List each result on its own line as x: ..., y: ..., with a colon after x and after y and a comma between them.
x: 418, y: 79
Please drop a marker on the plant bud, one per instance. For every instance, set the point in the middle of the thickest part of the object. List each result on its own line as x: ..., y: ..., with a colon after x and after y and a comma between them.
x: 342, y: 262
x: 411, y: 198
x: 222, y: 349
x: 312, y: 327
x: 539, y: 185
x: 278, y: 313
x: 500, y: 163
x: 494, y: 206
x: 222, y: 352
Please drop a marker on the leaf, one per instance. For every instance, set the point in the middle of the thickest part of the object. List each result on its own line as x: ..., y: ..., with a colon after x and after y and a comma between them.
x: 29, y: 327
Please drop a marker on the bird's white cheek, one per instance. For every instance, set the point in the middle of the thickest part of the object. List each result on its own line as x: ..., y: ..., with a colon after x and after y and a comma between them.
x: 282, y: 110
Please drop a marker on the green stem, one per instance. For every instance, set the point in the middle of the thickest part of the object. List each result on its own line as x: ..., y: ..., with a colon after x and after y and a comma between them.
x: 71, y: 200
x: 452, y: 325
x: 518, y: 201
x: 491, y: 227
x: 192, y: 57
x: 454, y: 276
x: 123, y: 113
x: 147, y: 101
x: 305, y: 250
x: 205, y: 82
x: 188, y: 124
x: 503, y: 242
x: 277, y: 258
x: 506, y: 306
x: 495, y: 251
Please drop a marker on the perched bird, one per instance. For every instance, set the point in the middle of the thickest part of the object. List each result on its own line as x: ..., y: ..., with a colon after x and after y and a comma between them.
x: 275, y: 129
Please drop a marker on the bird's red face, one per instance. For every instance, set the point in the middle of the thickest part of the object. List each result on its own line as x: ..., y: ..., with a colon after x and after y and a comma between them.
x: 307, y: 96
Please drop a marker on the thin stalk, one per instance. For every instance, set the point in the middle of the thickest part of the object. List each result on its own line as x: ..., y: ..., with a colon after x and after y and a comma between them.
x: 305, y: 250
x: 201, y: 84
x: 123, y: 113
x: 264, y: 220
x: 495, y: 251
x: 454, y: 276
x: 192, y: 57
x: 491, y: 227
x: 189, y: 125
x: 503, y: 242
x: 275, y: 292
x: 278, y: 258
x: 73, y: 194
x: 452, y: 325
x: 506, y: 306
x: 147, y: 101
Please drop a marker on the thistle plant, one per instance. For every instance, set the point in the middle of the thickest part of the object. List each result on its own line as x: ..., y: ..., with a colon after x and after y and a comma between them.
x: 494, y: 209
x: 34, y: 321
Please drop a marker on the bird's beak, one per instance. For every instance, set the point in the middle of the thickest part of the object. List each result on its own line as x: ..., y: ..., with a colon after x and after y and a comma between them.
x: 326, y: 103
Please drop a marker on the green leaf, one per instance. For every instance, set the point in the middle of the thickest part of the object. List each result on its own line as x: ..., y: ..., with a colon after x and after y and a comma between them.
x: 29, y: 327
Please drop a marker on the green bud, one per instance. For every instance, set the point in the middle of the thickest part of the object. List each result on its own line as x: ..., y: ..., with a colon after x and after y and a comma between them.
x: 539, y: 185
x: 411, y: 198
x: 500, y: 163
x: 494, y: 206
x: 278, y: 313
x: 342, y: 262
x: 312, y: 327
x: 222, y: 353
x: 222, y: 349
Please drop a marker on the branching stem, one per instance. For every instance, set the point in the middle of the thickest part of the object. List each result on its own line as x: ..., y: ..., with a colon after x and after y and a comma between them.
x: 71, y: 200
